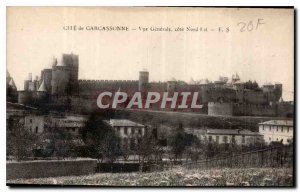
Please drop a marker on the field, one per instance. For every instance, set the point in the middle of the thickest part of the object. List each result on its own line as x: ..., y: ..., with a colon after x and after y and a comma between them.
x: 177, y: 177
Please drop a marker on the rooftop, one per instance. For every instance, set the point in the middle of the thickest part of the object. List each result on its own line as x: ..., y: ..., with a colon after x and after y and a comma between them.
x: 72, y: 118
x: 123, y: 123
x: 278, y: 122
x: 231, y: 132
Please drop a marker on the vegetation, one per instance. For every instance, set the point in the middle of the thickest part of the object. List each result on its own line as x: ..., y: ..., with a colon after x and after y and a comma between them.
x: 100, y: 139
x: 59, y: 143
x: 172, y: 119
x: 251, y: 85
x: 178, y: 177
x: 19, y: 141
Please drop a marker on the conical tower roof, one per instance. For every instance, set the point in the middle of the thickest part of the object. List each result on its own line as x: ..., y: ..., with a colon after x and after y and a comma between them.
x: 12, y: 83
x: 42, y: 87
x: 281, y: 100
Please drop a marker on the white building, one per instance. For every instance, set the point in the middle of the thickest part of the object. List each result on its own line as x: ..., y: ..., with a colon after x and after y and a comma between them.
x: 129, y: 132
x: 223, y: 136
x: 277, y: 131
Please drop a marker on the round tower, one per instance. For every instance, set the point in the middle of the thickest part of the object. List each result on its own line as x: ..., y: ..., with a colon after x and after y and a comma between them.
x: 42, y: 93
x: 60, y: 79
x: 143, y: 80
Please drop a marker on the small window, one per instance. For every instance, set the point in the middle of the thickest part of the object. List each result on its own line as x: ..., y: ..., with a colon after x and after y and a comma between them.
x: 233, y: 139
x: 243, y: 139
x: 270, y: 128
x: 30, y: 120
x: 73, y: 129
x: 281, y: 129
x: 277, y: 129
x: 36, y: 129
x: 263, y: 127
x: 210, y: 138
x: 125, y: 131
x: 269, y: 138
x: 288, y: 129
x: 217, y: 139
x: 225, y: 139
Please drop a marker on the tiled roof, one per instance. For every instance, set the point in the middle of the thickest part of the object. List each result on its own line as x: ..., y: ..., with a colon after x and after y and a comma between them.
x: 231, y: 132
x: 123, y: 123
x: 195, y: 130
x: 222, y: 131
x: 278, y: 122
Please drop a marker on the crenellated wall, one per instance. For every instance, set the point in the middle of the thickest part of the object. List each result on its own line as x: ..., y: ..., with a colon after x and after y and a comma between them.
x: 254, y: 110
x: 65, y: 90
x: 92, y: 87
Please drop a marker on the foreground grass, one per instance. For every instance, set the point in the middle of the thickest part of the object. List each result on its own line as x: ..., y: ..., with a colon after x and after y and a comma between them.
x: 177, y: 177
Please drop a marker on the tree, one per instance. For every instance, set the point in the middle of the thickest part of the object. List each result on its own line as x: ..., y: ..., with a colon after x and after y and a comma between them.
x: 148, y: 146
x: 110, y: 147
x: 251, y: 85
x: 60, y: 143
x: 20, y: 142
x: 100, y: 138
x: 178, y: 144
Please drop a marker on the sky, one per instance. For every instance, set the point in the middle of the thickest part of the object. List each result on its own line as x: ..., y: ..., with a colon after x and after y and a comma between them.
x: 263, y: 52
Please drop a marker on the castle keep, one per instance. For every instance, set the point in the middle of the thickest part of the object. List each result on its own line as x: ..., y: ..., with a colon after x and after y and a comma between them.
x: 59, y: 88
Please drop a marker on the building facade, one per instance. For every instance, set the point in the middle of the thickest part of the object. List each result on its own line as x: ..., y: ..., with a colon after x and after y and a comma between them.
x: 277, y: 131
x: 70, y: 124
x: 128, y: 131
x: 34, y: 123
x: 226, y: 136
x: 39, y: 124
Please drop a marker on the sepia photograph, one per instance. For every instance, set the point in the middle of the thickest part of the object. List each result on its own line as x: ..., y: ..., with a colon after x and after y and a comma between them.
x: 150, y: 96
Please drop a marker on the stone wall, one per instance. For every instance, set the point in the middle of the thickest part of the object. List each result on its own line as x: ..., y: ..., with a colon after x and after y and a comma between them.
x: 215, y: 108
x: 53, y: 168
x: 254, y: 110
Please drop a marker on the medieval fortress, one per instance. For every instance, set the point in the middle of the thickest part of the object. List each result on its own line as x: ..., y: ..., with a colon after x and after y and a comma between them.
x: 58, y: 87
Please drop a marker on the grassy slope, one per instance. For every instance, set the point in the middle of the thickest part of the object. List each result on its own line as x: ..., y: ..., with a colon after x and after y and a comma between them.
x: 194, y: 119
x: 178, y: 177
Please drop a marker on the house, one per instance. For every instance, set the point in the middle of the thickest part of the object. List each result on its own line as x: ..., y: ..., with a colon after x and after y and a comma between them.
x: 277, y: 131
x: 69, y: 123
x: 34, y: 123
x: 128, y: 131
x: 38, y: 124
x: 223, y: 136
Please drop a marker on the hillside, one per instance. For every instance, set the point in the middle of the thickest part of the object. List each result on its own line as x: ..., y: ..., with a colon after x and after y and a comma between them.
x: 196, y: 120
